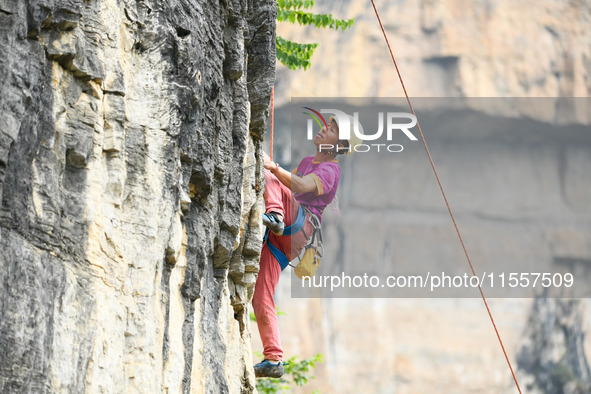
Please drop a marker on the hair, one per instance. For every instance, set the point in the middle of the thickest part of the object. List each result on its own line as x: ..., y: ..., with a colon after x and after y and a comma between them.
x: 344, y: 149
x: 338, y: 150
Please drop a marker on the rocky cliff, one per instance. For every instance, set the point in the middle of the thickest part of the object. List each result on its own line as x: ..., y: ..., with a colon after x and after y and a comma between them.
x: 130, y: 192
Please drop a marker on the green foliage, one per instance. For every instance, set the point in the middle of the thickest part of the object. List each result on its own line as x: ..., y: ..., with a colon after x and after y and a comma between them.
x: 297, y: 371
x: 318, y: 20
x: 294, y: 55
x: 294, y: 4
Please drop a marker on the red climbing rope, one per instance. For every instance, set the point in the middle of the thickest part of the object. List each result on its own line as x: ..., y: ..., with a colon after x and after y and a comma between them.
x: 445, y: 198
x: 272, y: 113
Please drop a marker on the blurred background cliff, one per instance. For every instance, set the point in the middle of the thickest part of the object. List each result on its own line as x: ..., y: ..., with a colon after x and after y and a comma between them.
x: 447, y: 48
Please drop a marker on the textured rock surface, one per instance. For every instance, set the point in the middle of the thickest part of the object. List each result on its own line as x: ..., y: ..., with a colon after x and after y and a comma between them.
x: 130, y: 196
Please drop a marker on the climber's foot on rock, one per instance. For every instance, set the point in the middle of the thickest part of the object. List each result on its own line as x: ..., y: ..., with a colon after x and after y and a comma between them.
x: 274, y: 221
x: 269, y: 369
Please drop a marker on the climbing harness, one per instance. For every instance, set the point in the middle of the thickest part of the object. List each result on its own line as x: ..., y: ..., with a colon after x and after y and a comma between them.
x: 445, y: 198
x: 310, y: 260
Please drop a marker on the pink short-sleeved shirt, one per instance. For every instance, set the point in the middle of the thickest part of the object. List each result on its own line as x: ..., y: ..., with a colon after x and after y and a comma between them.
x: 326, y: 175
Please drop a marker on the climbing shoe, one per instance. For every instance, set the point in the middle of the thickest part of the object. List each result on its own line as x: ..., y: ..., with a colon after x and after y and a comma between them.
x: 266, y: 369
x: 272, y: 221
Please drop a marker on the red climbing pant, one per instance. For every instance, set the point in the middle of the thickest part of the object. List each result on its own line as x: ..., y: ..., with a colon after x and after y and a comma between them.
x: 278, y: 198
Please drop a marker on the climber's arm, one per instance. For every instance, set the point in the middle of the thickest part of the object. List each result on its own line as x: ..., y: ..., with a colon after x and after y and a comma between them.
x: 295, y: 183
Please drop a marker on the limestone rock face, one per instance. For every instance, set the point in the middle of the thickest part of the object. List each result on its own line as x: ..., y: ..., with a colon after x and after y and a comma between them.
x: 130, y: 192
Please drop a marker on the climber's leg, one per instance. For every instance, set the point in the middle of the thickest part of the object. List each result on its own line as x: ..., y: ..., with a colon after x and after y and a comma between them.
x: 277, y: 196
x: 264, y: 305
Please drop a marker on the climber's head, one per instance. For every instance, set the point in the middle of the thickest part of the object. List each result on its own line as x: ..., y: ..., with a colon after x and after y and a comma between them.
x: 353, y: 140
x: 328, y: 141
x: 328, y: 137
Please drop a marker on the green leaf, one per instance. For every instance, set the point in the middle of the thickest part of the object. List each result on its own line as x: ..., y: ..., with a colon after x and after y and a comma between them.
x: 294, y: 4
x: 297, y: 56
x: 294, y: 55
x: 318, y: 20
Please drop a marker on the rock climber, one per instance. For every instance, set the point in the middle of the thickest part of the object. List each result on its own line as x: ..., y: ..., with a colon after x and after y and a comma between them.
x: 313, y: 184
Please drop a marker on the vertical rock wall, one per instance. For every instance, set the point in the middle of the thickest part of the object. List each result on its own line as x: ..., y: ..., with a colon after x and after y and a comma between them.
x: 130, y: 192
